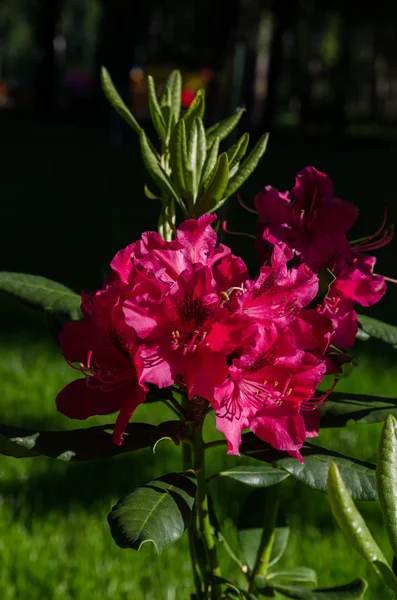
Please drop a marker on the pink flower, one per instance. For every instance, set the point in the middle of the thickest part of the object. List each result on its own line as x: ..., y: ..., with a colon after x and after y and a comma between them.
x: 301, y: 217
x: 188, y: 333
x: 267, y: 391
x: 278, y: 294
x: 104, y: 351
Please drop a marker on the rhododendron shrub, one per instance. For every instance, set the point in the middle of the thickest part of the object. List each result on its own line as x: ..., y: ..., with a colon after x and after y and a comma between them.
x: 181, y: 320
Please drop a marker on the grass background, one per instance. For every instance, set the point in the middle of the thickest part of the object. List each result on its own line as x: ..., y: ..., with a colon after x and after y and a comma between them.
x: 69, y: 200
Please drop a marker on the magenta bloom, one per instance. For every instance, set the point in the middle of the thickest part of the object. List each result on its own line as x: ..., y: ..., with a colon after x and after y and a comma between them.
x: 268, y: 390
x: 312, y: 224
x: 106, y: 356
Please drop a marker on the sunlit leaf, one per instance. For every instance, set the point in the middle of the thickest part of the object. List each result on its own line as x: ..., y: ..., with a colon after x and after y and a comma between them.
x: 115, y: 100
x: 344, y: 407
x: 386, y: 472
x: 248, y: 166
x: 355, y: 528
x: 224, y: 128
x: 172, y: 93
x: 155, y: 110
x: 237, y: 151
x: 378, y: 329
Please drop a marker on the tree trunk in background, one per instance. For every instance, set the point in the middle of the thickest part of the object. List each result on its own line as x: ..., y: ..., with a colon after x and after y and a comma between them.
x: 283, y: 15
x: 47, y: 20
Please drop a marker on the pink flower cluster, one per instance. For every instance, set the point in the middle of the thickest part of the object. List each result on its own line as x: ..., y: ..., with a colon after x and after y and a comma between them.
x: 185, y: 313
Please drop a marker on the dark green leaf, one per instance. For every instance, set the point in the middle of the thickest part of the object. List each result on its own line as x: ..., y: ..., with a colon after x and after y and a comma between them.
x: 223, y: 128
x: 293, y: 574
x: 84, y: 444
x: 215, y: 191
x: 238, y: 150
x: 157, y: 512
x: 255, y: 476
x: 355, y: 528
x: 155, y: 110
x: 179, y: 158
x: 358, y: 475
x: 378, y: 329
x: 115, y: 100
x: 248, y: 166
x: 232, y: 588
x: 350, y: 591
x: 386, y: 473
x: 172, y: 93
x: 41, y: 292
x: 344, y: 407
x: 250, y: 528
x: 196, y: 109
x: 325, y: 280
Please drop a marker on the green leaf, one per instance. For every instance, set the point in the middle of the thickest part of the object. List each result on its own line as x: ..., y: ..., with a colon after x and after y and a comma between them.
x: 115, y: 100
x: 248, y: 166
x: 196, y: 109
x: 215, y: 192
x: 209, y: 165
x: 386, y: 473
x: 250, y: 528
x: 201, y: 147
x: 238, y: 150
x: 344, y: 407
x: 172, y: 94
x: 255, y: 476
x: 155, y: 110
x: 83, y: 444
x: 223, y: 128
x: 181, y: 172
x: 355, y: 528
x: 378, y: 329
x: 232, y: 588
x: 150, y: 194
x: 293, y: 574
x: 350, y: 591
x: 358, y: 475
x: 157, y: 512
x: 155, y: 171
x: 41, y: 292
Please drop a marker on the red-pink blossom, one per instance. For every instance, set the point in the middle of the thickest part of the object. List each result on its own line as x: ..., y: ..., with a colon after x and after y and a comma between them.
x: 267, y: 390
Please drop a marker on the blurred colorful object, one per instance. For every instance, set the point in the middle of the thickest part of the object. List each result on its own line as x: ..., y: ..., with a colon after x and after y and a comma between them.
x: 192, y: 81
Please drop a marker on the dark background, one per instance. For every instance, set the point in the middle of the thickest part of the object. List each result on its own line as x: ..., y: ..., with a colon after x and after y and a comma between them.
x: 321, y: 77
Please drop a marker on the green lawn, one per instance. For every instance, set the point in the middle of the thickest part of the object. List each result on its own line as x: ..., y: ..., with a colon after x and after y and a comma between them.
x: 54, y: 539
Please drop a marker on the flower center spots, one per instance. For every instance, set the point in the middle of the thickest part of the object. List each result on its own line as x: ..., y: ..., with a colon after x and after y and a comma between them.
x: 305, y: 217
x: 119, y: 341
x: 193, y: 312
x: 264, y: 359
x: 267, y: 285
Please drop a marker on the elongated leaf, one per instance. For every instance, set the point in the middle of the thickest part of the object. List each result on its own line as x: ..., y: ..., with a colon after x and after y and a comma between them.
x: 350, y: 591
x: 293, y: 574
x: 224, y: 128
x: 157, y: 512
x: 41, y: 292
x: 386, y: 472
x: 359, y: 476
x: 344, y: 407
x: 201, y: 148
x: 155, y: 110
x: 179, y: 158
x: 155, y: 171
x: 355, y: 528
x: 255, y: 476
x: 378, y: 329
x: 250, y: 528
x: 83, y: 444
x: 115, y: 100
x: 248, y: 166
x: 215, y: 191
x: 238, y: 150
x: 192, y: 156
x: 172, y: 93
x: 209, y: 165
x: 196, y: 109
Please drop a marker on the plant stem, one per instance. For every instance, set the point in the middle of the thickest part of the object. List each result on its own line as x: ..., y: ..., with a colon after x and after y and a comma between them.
x: 268, y: 534
x: 192, y: 529
x: 203, y: 513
